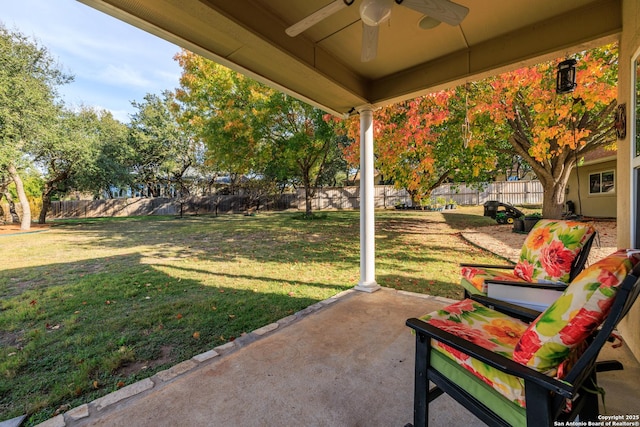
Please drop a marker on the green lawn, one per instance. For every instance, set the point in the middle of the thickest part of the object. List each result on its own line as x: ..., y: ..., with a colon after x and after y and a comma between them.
x: 92, y: 305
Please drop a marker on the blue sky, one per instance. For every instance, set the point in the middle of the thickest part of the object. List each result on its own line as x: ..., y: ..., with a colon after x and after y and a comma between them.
x: 113, y: 63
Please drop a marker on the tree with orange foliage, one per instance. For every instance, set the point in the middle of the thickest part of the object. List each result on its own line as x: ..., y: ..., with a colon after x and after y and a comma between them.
x: 552, y: 132
x: 424, y: 142
x: 470, y: 133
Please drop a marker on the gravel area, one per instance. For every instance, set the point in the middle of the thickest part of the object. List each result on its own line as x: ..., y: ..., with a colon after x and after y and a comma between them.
x: 502, y: 241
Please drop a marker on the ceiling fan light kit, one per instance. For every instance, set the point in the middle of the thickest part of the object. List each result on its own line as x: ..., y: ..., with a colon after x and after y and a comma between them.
x: 375, y: 12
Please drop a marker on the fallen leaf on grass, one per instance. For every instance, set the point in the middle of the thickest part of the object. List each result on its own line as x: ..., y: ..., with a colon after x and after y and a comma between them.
x: 196, y: 335
x: 120, y: 384
x: 178, y: 316
x: 61, y: 409
x: 95, y: 384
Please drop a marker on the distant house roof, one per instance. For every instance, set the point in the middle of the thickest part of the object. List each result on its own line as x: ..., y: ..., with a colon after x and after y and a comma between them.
x: 599, y: 155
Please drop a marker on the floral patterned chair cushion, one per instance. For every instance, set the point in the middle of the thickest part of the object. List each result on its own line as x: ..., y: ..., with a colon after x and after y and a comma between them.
x: 550, y: 249
x: 476, y: 277
x: 489, y: 329
x: 547, y: 255
x: 582, y: 307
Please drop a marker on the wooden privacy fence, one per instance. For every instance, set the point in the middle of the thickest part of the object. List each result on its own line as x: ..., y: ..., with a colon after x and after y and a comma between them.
x: 164, y: 206
x: 385, y: 196
x: 516, y: 193
x: 513, y: 192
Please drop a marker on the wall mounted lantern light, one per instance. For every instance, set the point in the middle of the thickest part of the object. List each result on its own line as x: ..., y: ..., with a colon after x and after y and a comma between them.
x: 566, y: 77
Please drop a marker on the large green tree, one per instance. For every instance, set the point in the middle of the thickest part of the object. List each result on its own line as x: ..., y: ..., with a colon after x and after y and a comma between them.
x: 301, y: 142
x: 29, y: 77
x: 81, y: 153
x: 162, y: 148
x: 226, y: 109
x: 110, y: 172
x: 252, y: 129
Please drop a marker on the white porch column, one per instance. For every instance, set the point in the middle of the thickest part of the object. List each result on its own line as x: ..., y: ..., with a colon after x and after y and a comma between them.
x: 367, y: 223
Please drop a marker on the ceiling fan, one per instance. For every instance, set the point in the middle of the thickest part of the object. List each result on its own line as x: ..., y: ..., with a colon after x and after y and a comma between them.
x: 375, y: 12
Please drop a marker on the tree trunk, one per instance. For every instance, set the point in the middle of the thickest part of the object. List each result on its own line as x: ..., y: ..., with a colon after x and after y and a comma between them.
x: 307, y: 199
x: 307, y: 204
x: 553, y: 199
x: 25, y: 223
x: 46, y: 204
x: 308, y: 195
x: 12, y: 208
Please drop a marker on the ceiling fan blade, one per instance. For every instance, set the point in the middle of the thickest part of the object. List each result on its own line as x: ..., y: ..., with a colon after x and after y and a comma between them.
x: 316, y: 17
x: 443, y: 10
x: 369, y: 42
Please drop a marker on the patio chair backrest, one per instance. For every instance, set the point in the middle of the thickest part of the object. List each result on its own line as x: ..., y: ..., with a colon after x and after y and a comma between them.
x: 581, y: 260
x: 572, y: 318
x: 626, y: 295
x: 554, y: 251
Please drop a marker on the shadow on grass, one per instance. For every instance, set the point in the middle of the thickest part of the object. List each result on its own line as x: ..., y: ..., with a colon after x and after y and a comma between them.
x: 461, y: 221
x: 277, y: 238
x: 136, y: 296
x: 69, y: 339
x: 247, y: 277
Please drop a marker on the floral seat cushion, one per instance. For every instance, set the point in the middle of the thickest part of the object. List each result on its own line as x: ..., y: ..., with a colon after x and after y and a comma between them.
x: 489, y: 329
x: 476, y: 277
x: 547, y: 255
x: 550, y: 249
x: 582, y: 307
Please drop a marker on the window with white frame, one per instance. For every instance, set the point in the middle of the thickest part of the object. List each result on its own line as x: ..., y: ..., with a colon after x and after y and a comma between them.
x: 602, y: 182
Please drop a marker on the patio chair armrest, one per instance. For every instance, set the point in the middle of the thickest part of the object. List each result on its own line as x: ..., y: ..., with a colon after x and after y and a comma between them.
x: 504, y: 267
x: 558, y: 286
x: 525, y: 314
x: 497, y: 361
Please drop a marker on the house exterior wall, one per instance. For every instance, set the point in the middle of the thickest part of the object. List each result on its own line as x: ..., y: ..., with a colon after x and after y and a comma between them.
x: 629, y: 45
x: 593, y: 204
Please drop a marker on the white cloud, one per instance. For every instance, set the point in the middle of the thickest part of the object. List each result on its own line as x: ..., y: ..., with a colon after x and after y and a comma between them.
x: 124, y: 75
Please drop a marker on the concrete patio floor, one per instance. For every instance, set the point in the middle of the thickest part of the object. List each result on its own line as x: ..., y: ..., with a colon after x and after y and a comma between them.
x: 347, y: 361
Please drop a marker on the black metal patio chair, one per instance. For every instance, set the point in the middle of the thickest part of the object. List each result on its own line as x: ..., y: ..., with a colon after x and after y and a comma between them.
x: 512, y: 373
